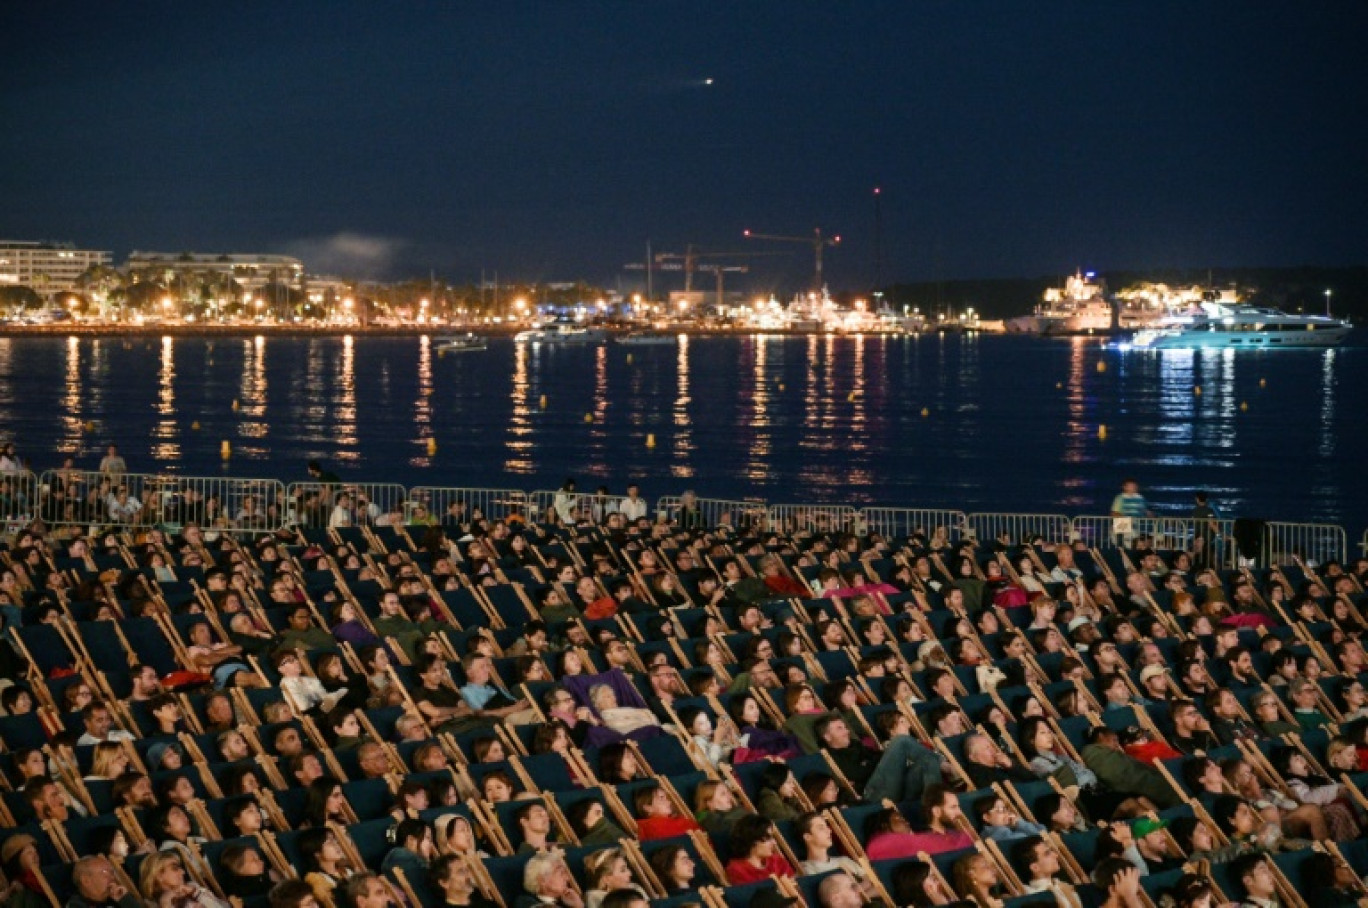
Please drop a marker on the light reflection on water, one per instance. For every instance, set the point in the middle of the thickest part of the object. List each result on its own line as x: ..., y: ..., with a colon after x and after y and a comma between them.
x: 1011, y: 423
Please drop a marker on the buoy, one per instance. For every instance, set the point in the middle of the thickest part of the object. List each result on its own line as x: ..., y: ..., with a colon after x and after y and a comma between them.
x: 195, y: 425
x: 1059, y: 386
x: 1197, y: 391
x: 89, y: 426
x: 925, y: 412
x: 543, y: 401
x: 650, y: 439
x: 1101, y: 431
x: 226, y: 450
x: 1244, y: 406
x: 1263, y: 383
x: 781, y: 386
x: 441, y: 353
x: 1101, y: 366
x: 432, y: 446
x: 236, y: 405
x: 588, y: 417
x: 629, y: 359
x: 850, y: 398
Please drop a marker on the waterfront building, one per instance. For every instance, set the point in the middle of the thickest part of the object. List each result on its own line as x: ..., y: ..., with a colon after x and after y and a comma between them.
x: 46, y: 267
x: 251, y: 271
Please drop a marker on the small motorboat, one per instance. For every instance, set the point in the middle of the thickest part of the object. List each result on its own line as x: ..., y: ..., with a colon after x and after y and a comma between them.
x: 462, y: 343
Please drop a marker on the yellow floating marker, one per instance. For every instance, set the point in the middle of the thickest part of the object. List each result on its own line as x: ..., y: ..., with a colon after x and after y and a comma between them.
x: 1244, y: 406
x: 1102, y: 432
x: 850, y: 398
x: 195, y: 425
x: 629, y: 359
x: 1263, y: 383
x: 431, y: 446
x: 543, y: 401
x: 650, y: 439
x: 1059, y: 386
x: 925, y: 412
x: 1101, y: 366
x: 781, y: 386
x: 226, y: 449
x: 588, y: 417
x: 1197, y: 391
x: 237, y: 405
x: 89, y: 426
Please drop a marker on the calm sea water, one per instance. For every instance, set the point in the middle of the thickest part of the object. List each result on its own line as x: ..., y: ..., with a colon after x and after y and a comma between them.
x: 978, y: 423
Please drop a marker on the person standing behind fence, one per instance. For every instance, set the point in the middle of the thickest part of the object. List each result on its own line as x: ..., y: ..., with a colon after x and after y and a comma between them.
x: 113, y: 465
x: 1205, y: 528
x: 1126, y: 508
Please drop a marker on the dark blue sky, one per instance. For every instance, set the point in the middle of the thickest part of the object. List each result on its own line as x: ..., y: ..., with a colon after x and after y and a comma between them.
x: 551, y: 140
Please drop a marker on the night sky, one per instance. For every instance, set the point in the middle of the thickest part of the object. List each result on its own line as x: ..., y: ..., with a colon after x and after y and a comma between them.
x: 550, y: 141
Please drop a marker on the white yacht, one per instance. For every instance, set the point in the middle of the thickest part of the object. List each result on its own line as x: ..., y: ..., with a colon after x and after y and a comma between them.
x: 1080, y: 307
x: 561, y: 333
x: 1241, y: 327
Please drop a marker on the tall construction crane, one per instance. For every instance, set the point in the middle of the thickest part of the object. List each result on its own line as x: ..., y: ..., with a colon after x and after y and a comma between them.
x: 689, y: 261
x: 720, y: 270
x: 816, y: 241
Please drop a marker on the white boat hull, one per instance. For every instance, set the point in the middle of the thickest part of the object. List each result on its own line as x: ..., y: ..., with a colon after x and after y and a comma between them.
x: 1213, y: 339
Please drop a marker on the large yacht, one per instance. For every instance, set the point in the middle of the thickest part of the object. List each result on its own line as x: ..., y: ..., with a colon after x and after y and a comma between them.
x: 1240, y: 327
x: 1080, y: 307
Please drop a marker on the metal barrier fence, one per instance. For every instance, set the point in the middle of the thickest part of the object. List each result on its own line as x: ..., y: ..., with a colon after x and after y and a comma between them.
x: 1166, y: 532
x: 716, y: 511
x: 68, y: 498
x: 902, y: 522
x: 1312, y: 542
x: 1053, y: 528
x: 19, y: 495
x: 71, y: 497
x: 311, y: 504
x: 493, y: 504
x: 818, y: 518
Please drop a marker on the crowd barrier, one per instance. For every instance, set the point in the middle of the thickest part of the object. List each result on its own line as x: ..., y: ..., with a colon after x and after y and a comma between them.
x: 71, y: 497
x: 18, y: 492
x: 369, y: 501
x: 248, y: 506
x: 906, y: 521
x: 495, y: 504
x: 1054, y: 528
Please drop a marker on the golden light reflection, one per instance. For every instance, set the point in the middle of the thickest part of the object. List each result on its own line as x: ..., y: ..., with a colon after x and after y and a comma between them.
x: 165, y: 433
x: 251, y: 422
x: 345, y: 420
x: 312, y: 404
x: 422, y: 407
x: 72, y: 404
x: 681, y: 466
x: 757, y: 466
x: 598, y: 433
x: 1079, y: 431
x: 520, y: 443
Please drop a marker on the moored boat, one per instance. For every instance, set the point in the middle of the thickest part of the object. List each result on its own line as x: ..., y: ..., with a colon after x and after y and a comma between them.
x: 1241, y: 327
x: 560, y: 333
x: 646, y: 339
x: 462, y: 343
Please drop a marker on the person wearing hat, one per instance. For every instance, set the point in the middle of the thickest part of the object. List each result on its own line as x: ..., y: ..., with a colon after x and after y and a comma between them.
x: 20, y: 860
x: 1123, y: 773
x: 1155, y: 845
x: 1154, y: 682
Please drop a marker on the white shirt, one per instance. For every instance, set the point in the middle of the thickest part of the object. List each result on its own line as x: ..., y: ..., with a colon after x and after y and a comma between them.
x: 632, y: 508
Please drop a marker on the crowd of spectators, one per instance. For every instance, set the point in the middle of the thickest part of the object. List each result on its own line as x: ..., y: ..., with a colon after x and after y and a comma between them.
x: 601, y: 708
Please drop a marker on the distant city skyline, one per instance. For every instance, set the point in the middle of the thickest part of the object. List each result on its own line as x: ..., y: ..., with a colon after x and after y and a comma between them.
x: 553, y: 141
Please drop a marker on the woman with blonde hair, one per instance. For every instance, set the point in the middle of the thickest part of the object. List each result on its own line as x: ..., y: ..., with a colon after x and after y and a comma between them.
x: 109, y: 761
x: 604, y: 872
x: 164, y: 884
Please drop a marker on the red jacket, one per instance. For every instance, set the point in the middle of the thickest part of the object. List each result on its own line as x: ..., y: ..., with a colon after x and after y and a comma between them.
x: 1152, y: 752
x: 741, y: 871
x: 664, y: 827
